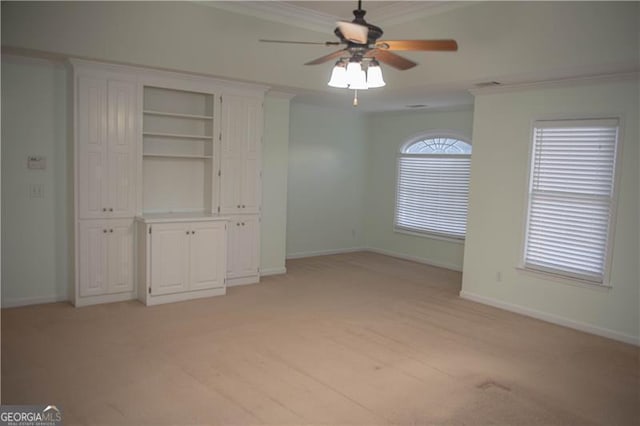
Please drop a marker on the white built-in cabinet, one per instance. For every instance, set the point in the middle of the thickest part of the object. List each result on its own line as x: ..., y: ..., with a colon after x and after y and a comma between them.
x: 180, y: 259
x: 106, y: 117
x: 105, y: 140
x: 243, y: 256
x: 106, y: 257
x: 167, y: 184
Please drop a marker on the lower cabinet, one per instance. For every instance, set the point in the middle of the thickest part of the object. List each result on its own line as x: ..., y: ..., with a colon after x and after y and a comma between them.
x: 105, y: 267
x: 243, y: 250
x: 181, y: 260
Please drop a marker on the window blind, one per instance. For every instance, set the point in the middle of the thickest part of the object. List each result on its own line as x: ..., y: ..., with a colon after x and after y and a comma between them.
x: 571, y: 196
x: 432, y: 194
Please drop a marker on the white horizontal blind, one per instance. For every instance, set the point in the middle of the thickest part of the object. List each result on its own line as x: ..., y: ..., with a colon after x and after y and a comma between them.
x: 432, y: 194
x: 571, y: 197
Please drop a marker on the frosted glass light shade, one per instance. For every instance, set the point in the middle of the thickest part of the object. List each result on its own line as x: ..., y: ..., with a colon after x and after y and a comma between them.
x: 359, y: 82
x: 338, y: 77
x: 374, y: 77
x: 353, y: 71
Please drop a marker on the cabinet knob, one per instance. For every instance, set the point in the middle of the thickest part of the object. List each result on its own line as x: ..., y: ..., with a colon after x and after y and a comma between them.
x: 242, y: 223
x: 193, y: 232
x: 111, y: 230
x: 238, y: 224
x: 188, y: 232
x: 243, y: 206
x: 104, y: 209
x: 111, y: 209
x: 238, y: 205
x: 104, y: 231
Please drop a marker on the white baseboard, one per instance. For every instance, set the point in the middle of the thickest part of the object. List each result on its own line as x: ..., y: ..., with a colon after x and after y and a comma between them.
x: 26, y: 301
x: 425, y: 261
x: 324, y: 252
x: 555, y: 319
x: 272, y: 271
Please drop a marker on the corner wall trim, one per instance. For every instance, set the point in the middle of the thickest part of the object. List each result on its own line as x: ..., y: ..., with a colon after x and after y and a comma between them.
x: 26, y: 301
x: 554, y: 319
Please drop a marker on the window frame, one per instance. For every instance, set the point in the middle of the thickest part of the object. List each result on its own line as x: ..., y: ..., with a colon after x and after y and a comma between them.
x: 569, y: 278
x: 431, y: 134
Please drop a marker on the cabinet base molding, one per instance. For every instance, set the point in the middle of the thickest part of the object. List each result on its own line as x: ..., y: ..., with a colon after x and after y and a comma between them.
x: 152, y: 300
x: 107, y: 298
x: 254, y: 279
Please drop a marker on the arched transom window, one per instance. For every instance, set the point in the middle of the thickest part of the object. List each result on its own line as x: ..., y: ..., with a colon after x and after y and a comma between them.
x: 433, y: 186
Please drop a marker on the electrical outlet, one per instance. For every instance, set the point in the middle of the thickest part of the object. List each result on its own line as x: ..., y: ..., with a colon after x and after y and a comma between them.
x: 36, y: 190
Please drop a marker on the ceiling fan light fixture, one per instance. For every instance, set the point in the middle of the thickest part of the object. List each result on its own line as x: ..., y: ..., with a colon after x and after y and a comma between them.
x: 374, y: 75
x: 339, y: 76
x: 360, y: 82
x: 353, y: 70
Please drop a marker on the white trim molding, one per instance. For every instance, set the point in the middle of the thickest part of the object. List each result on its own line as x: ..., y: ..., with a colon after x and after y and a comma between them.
x: 302, y: 254
x: 554, y: 319
x: 272, y: 271
x: 417, y: 259
x: 9, y: 302
x: 561, y: 82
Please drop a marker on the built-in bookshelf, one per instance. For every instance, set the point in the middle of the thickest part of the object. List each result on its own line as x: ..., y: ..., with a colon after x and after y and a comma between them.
x: 178, y: 150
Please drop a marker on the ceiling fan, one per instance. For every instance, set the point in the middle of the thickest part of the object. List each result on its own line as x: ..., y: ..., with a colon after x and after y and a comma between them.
x: 363, y: 47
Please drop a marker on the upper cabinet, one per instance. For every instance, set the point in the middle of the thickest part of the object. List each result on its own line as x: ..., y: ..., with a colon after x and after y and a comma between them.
x: 106, y: 145
x: 241, y: 154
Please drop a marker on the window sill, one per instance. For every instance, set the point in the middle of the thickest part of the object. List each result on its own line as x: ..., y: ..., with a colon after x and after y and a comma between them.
x: 429, y: 235
x: 564, y: 279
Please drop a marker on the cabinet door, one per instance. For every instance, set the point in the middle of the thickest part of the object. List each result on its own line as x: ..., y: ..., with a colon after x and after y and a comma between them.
x: 122, y: 136
x: 92, y: 258
x: 208, y: 261
x: 232, y: 126
x: 169, y: 258
x: 93, y: 198
x: 243, y: 247
x: 250, y: 181
x: 120, y: 256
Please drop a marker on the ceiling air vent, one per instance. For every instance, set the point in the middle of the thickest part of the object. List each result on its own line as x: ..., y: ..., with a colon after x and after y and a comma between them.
x: 488, y: 84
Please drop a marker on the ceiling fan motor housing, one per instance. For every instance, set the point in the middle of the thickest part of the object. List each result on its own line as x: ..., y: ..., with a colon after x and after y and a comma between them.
x: 374, y: 32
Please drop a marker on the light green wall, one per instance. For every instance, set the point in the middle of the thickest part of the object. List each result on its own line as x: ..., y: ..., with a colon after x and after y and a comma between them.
x: 327, y: 158
x: 502, y: 134
x: 35, y: 231
x: 274, y: 185
x: 385, y: 133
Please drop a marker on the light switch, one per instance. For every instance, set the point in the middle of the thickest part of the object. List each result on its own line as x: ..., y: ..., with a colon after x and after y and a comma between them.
x: 36, y: 162
x: 36, y: 190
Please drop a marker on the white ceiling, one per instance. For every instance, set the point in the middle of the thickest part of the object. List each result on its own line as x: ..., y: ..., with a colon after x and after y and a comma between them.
x: 512, y: 42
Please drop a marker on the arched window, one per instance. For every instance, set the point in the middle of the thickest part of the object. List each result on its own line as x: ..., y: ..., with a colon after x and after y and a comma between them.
x: 433, y: 186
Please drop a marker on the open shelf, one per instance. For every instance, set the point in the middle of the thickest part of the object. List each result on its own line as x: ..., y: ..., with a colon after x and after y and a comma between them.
x: 177, y: 136
x: 178, y: 156
x: 176, y: 115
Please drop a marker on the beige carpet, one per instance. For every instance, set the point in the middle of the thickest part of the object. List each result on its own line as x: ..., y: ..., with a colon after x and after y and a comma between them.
x: 358, y: 339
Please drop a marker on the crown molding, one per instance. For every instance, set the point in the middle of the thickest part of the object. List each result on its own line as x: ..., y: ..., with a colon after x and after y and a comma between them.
x: 562, y: 82
x: 302, y: 17
x: 406, y: 11
x: 278, y: 11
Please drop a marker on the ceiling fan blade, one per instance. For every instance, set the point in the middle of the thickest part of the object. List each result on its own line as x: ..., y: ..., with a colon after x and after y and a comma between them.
x: 391, y: 59
x: 355, y: 33
x: 329, y: 57
x: 323, y: 43
x: 432, y: 45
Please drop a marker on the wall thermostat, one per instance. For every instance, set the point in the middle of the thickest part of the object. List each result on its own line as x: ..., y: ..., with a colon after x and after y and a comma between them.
x: 36, y: 162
